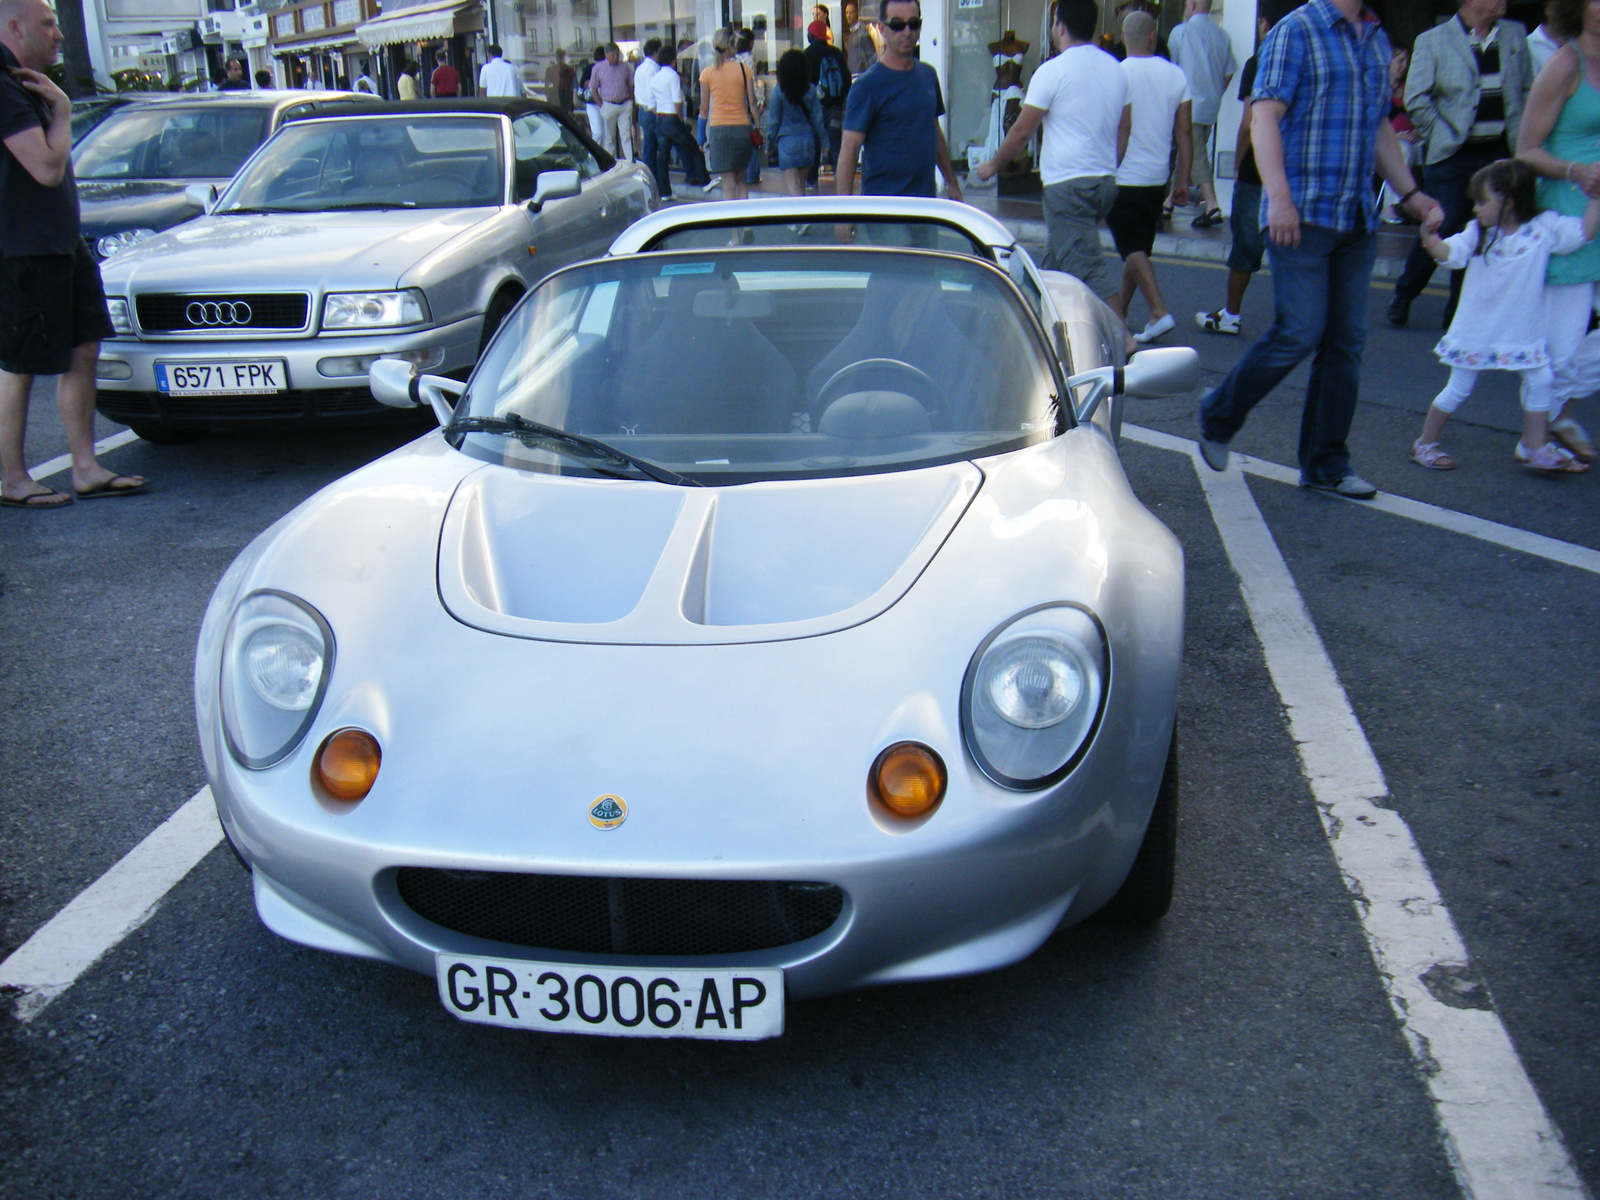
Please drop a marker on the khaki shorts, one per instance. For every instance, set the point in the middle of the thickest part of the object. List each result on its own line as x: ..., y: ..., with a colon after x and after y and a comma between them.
x: 1073, y: 210
x: 1200, y: 169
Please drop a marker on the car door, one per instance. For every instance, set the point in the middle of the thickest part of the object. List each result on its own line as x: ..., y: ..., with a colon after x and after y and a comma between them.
x: 561, y: 231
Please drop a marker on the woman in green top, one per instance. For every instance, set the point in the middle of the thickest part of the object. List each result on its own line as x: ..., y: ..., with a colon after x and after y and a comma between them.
x: 1560, y: 140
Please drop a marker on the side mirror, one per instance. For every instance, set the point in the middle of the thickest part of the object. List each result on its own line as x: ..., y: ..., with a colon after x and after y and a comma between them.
x: 201, y: 195
x: 1149, y: 375
x: 554, y: 185
x: 393, y: 382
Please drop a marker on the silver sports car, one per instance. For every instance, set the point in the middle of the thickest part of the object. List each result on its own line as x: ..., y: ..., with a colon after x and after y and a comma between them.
x: 767, y: 619
x: 360, y: 232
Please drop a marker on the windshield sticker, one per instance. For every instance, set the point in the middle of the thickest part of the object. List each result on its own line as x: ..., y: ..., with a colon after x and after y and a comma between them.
x: 702, y: 268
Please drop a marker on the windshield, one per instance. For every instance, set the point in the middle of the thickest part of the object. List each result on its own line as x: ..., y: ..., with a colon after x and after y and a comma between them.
x: 735, y: 365
x: 170, y: 141
x: 412, y: 161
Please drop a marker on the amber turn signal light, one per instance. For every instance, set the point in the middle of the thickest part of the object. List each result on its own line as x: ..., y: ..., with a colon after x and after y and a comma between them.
x: 908, y: 779
x: 347, y: 764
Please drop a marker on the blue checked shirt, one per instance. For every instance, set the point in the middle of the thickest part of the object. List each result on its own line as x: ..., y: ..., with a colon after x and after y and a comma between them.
x: 1335, y: 81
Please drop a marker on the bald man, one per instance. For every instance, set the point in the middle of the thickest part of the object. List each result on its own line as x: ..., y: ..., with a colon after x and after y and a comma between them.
x: 52, y: 307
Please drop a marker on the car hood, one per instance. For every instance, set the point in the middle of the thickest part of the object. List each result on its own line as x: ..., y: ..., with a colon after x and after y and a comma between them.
x: 531, y: 555
x: 299, y: 250
x: 112, y: 205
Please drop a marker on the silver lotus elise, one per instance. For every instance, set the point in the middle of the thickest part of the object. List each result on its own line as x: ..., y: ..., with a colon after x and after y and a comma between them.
x: 358, y: 232
x: 767, y: 619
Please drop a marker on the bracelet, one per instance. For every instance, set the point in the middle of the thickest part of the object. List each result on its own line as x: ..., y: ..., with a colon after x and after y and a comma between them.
x: 1571, y: 166
x: 1416, y: 191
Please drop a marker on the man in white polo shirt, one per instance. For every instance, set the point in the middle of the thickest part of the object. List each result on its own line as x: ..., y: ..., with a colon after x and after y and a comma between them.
x: 1081, y: 98
x: 1159, y: 96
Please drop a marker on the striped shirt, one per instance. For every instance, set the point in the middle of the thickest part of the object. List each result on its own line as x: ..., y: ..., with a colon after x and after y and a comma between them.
x: 1489, y: 122
x: 1333, y: 79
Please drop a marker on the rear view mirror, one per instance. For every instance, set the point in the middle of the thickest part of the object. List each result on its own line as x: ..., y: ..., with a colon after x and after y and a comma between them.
x: 201, y: 195
x: 1149, y: 375
x: 554, y: 185
x: 395, y: 383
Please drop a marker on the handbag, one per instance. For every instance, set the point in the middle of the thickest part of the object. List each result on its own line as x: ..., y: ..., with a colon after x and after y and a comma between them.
x: 755, y: 129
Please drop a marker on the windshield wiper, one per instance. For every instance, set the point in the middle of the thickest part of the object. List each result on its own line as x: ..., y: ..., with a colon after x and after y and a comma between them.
x: 563, y: 442
x: 248, y: 212
x: 361, y: 204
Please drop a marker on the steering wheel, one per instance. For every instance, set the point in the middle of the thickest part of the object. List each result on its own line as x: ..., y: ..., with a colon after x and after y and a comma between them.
x: 923, y: 388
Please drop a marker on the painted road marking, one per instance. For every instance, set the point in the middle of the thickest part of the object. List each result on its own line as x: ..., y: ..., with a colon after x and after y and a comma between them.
x: 1501, y: 1142
x: 111, y: 907
x: 1508, y: 536
x: 62, y: 461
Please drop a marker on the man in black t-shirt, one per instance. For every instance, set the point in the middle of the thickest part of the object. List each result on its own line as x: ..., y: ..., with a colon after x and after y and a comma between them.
x: 1249, y: 238
x: 52, y: 307
x: 234, y: 80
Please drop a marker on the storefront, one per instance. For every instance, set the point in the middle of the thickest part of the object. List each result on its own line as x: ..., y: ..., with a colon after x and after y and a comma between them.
x: 417, y: 32
x: 314, y: 44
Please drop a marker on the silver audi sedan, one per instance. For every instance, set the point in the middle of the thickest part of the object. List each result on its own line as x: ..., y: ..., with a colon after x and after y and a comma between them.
x: 770, y: 616
x: 361, y: 232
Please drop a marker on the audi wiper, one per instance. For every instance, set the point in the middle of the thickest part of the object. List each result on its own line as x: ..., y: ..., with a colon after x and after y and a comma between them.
x: 367, y: 204
x: 574, y: 445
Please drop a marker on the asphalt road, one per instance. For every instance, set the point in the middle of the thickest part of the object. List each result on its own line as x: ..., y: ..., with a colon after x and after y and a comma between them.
x: 1245, y: 1048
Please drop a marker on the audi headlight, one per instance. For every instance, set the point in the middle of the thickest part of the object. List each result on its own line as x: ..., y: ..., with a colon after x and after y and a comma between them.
x: 275, y: 666
x: 373, y: 310
x: 115, y: 243
x: 1033, y: 695
x: 117, y: 306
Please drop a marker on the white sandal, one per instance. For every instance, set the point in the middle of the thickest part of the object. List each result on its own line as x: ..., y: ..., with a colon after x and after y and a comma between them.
x: 1431, y: 455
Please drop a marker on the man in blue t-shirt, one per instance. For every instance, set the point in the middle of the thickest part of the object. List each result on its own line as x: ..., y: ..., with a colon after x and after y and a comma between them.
x: 892, y: 115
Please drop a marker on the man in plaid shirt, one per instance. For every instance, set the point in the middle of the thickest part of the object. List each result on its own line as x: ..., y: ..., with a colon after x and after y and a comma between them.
x: 1319, y: 124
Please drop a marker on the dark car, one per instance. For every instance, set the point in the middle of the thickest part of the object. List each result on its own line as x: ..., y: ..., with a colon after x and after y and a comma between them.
x: 133, y: 167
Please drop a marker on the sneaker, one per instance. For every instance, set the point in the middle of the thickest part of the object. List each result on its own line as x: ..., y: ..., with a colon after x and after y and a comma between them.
x: 1352, y: 487
x: 1156, y: 328
x: 1215, y: 454
x: 1221, y: 321
x: 711, y: 185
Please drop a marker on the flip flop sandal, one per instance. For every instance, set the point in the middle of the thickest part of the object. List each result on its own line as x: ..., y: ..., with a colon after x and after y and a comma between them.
x: 1166, y: 212
x: 38, y: 500
x: 108, y: 488
x: 1207, y: 219
x: 1432, y: 456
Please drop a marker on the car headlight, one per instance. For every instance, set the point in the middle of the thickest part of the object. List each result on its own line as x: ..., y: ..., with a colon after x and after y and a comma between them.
x: 275, y: 667
x: 115, y: 243
x: 1033, y: 694
x: 373, y: 310
x: 117, y: 306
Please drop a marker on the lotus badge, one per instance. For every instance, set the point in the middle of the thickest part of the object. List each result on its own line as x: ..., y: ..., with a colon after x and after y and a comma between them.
x: 608, y: 812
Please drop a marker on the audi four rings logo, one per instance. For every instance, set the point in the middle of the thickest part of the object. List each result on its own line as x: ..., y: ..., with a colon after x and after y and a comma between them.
x: 212, y: 312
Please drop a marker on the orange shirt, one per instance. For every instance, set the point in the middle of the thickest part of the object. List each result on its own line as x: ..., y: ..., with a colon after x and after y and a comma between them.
x: 725, y: 86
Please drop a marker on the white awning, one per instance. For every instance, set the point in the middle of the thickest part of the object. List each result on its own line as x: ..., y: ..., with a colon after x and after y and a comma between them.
x: 422, y: 23
x: 322, y: 43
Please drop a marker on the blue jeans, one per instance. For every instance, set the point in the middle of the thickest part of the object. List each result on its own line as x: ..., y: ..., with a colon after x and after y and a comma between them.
x: 647, y: 147
x: 1319, y: 294
x: 670, y: 132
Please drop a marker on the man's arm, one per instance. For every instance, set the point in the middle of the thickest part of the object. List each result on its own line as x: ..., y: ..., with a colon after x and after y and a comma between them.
x: 952, y: 185
x: 1420, y: 78
x: 1283, y: 219
x: 1124, y: 132
x: 1183, y: 139
x: 1027, y: 121
x: 44, y: 153
x: 849, y: 152
x: 1392, y: 166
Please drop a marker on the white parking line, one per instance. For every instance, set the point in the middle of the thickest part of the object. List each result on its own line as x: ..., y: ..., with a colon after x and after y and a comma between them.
x: 111, y: 907
x: 62, y: 461
x: 1508, y: 536
x: 1501, y: 1142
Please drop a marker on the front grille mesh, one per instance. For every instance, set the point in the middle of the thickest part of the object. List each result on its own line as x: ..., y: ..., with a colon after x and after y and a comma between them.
x: 292, y: 405
x: 637, y: 917
x: 167, y: 312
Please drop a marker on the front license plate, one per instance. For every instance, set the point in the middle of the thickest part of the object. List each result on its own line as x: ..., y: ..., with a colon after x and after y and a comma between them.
x: 247, y: 377
x: 616, y: 1001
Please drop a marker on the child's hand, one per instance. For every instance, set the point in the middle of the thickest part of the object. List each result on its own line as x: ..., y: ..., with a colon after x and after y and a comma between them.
x: 1429, y: 239
x: 1591, y: 189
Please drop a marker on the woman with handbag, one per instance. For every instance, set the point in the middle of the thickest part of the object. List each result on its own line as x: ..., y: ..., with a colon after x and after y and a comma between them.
x: 728, y: 102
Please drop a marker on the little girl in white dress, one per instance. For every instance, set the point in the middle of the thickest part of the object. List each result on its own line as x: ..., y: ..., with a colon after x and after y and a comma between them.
x: 1499, y: 323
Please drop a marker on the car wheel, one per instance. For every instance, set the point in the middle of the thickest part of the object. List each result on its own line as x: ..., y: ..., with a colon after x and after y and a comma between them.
x: 1146, y: 894
x: 159, y: 436
x: 504, y: 301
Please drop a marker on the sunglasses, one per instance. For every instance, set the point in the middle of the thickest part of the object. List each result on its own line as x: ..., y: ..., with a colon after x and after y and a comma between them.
x: 897, y: 24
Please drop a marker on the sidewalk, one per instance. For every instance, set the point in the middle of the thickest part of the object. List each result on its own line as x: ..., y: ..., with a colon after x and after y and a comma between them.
x: 1024, y: 216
